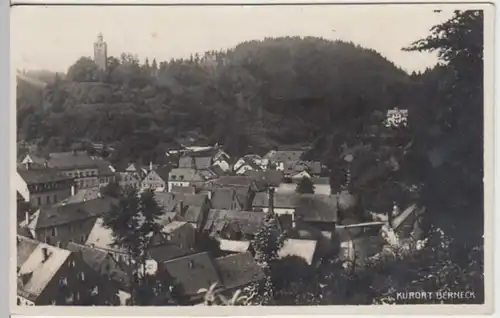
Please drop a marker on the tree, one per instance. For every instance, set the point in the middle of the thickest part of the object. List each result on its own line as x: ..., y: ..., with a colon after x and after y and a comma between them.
x: 267, y: 242
x: 134, y: 221
x: 84, y: 70
x: 305, y: 186
x: 112, y: 189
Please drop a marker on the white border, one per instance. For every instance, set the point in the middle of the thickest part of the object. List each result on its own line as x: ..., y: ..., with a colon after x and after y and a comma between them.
x: 295, y: 310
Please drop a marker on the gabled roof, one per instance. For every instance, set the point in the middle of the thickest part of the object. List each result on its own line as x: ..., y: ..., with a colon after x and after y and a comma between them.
x: 193, y: 214
x: 321, y: 180
x: 284, y: 201
x: 25, y: 246
x: 41, y: 175
x: 247, y: 222
x: 68, y: 213
x: 164, y: 253
x: 238, y: 270
x: 192, y: 272
x: 202, y: 162
x: 217, y: 170
x: 184, y: 174
x: 161, y: 172
x: 179, y: 189
x: 174, y: 225
x: 37, y: 271
x: 301, y: 248
x: 101, y: 237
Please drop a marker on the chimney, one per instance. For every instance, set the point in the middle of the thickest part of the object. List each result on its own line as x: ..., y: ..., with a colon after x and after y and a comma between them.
x: 151, y: 166
x: 45, y: 164
x: 28, y: 165
x: 73, y: 190
x: 392, y: 213
x: 45, y: 252
x: 210, y: 192
x: 181, y: 206
x: 27, y: 217
x: 294, y: 224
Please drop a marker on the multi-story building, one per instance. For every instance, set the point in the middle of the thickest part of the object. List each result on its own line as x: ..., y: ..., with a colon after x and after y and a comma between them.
x: 42, y: 186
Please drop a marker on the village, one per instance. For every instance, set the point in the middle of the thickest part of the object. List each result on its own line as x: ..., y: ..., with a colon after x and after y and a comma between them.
x: 62, y: 244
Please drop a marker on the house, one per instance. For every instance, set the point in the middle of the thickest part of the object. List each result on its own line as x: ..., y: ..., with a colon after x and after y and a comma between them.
x: 129, y: 179
x: 233, y: 225
x: 178, y: 233
x: 42, y: 186
x: 81, y: 196
x: 250, y: 163
x: 54, y: 276
x: 112, y: 276
x: 157, y: 179
x: 106, y: 174
x: 193, y: 273
x: 205, y: 159
x: 283, y: 204
x: 24, y: 247
x: 238, y: 271
x: 85, y: 169
x: 279, y: 158
x: 191, y: 208
x: 60, y: 224
x: 235, y: 181
x: 320, y: 211
x: 136, y: 169
x: 296, y: 176
x: 183, y: 177
x: 294, y: 168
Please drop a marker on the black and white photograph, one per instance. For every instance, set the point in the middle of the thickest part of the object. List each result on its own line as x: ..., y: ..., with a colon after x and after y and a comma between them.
x: 253, y: 155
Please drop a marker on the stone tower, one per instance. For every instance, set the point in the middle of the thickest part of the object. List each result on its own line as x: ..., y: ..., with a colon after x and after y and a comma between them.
x: 100, y: 52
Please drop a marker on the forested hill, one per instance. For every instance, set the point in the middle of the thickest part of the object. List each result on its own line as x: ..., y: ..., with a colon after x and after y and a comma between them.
x: 251, y: 98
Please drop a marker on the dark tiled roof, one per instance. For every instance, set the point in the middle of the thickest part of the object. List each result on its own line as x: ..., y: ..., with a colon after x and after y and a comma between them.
x: 323, y: 180
x: 261, y: 199
x: 202, y: 162
x: 238, y: 270
x: 95, y: 258
x: 163, y: 173
x: 316, y: 208
x: 166, y: 253
x: 34, y: 176
x: 81, y: 196
x: 247, y: 222
x: 224, y: 198
x: 25, y: 247
x: 186, y: 162
x: 68, y: 213
x: 179, y: 189
x: 285, y: 155
x: 192, y: 272
x: 193, y: 214
x: 217, y: 170
x: 266, y: 178
x: 184, y: 174
x: 104, y: 169
x: 234, y: 181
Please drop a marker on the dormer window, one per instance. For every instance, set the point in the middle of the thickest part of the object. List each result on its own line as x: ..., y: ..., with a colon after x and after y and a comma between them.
x: 182, y: 177
x: 174, y: 177
x: 63, y: 281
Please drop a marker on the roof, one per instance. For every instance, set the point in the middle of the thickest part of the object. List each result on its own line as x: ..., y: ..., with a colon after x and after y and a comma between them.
x: 321, y: 180
x: 316, y: 208
x: 234, y: 181
x: 234, y: 246
x: 246, y: 221
x: 163, y: 253
x: 223, y: 198
x: 25, y: 246
x: 101, y: 237
x: 184, y: 174
x: 300, y: 248
x: 287, y: 200
x: 105, y: 169
x: 37, y: 272
x: 202, y: 162
x: 76, y: 159
x: 284, y: 155
x: 68, y: 213
x: 192, y: 272
x: 217, y: 170
x: 267, y: 177
x: 238, y: 270
x: 81, y: 196
x: 172, y: 226
x: 42, y: 175
x: 93, y: 257
x: 193, y: 214
x: 162, y: 172
x: 179, y: 189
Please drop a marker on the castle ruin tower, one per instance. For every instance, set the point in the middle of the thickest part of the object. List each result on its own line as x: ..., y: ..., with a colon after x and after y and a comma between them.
x: 100, y: 53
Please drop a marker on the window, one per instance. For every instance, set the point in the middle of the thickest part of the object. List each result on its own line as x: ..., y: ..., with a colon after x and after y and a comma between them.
x: 58, y: 244
x: 63, y: 281
x: 55, y: 198
x: 48, y: 199
x: 191, y: 264
x: 77, y: 296
x: 39, y: 200
x: 18, y: 301
x: 69, y: 299
x: 82, y: 276
x: 168, y: 237
x: 95, y: 291
x: 53, y: 231
x: 82, y: 239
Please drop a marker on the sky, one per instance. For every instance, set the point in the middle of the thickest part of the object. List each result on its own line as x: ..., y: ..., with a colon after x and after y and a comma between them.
x: 53, y: 38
